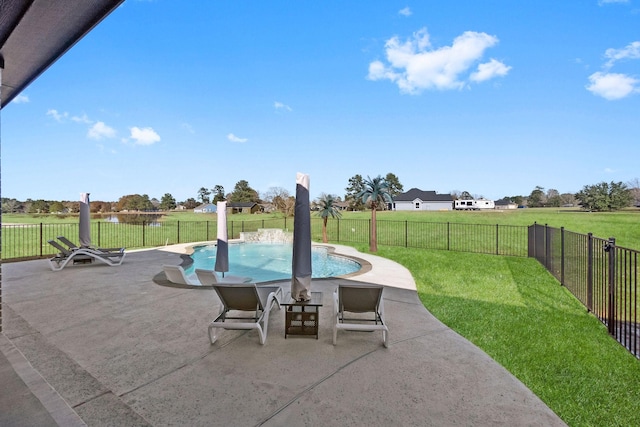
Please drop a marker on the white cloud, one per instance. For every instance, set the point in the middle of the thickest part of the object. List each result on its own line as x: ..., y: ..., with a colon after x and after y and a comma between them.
x: 82, y: 119
x: 188, y: 128
x: 415, y: 66
x: 21, y: 99
x: 405, y: 11
x: 489, y: 70
x: 603, y: 2
x: 59, y: 117
x: 631, y: 51
x: 231, y: 137
x: 280, y: 106
x: 100, y: 130
x: 144, y: 136
x: 612, y: 86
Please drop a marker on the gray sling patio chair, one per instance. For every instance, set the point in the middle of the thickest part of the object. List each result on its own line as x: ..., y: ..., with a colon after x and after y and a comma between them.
x: 247, y: 298
x: 359, y: 300
x: 72, y: 246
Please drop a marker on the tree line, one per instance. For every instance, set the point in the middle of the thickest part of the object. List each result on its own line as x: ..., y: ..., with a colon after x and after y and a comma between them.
x: 597, y: 197
x: 600, y: 197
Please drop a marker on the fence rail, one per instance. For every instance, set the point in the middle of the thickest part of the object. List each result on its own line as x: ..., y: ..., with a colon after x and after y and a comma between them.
x: 601, y: 275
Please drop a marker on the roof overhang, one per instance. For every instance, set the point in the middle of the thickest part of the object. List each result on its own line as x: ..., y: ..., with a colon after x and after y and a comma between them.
x: 35, y: 33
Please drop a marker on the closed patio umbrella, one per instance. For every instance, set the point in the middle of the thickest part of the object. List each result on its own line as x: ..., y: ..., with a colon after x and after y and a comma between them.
x: 301, y: 263
x: 222, y: 246
x: 85, y: 221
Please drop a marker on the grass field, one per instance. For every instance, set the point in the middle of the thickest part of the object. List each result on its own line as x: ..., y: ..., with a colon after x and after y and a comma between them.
x: 623, y: 225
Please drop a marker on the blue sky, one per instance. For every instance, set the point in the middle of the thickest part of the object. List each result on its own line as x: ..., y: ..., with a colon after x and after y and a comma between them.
x: 490, y: 97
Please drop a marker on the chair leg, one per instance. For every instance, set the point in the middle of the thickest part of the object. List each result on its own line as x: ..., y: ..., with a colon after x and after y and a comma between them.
x: 262, y: 333
x: 213, y: 337
x: 263, y: 330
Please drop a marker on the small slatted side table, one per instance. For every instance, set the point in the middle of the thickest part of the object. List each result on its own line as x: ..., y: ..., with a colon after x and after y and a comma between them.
x: 302, y: 317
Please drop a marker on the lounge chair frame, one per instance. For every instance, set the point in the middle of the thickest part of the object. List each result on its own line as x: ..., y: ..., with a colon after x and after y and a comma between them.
x: 176, y: 274
x: 72, y: 246
x: 210, y: 277
x: 82, y: 255
x: 359, y: 299
x: 258, y: 300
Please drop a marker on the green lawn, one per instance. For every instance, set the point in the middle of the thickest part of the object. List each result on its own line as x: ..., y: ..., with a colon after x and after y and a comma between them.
x: 520, y: 315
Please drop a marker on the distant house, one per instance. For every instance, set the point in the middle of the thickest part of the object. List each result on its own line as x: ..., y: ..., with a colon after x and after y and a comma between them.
x: 243, y: 207
x: 341, y: 206
x: 505, y: 204
x: 418, y: 200
x: 206, y: 208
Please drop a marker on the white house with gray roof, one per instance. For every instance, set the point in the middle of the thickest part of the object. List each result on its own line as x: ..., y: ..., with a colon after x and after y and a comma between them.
x: 418, y: 200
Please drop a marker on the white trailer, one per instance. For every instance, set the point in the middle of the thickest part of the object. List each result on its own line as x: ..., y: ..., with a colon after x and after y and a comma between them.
x: 473, y: 205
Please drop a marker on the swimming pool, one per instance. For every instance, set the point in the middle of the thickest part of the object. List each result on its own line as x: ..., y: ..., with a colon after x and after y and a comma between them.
x: 264, y: 262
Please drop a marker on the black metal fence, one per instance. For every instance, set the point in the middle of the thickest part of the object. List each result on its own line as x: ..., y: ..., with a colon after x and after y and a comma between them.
x: 603, y: 276
x: 600, y: 274
x: 30, y: 240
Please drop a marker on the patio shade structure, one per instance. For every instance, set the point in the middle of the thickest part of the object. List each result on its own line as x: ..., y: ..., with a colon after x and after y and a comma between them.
x: 222, y: 246
x: 85, y: 221
x: 36, y: 33
x: 301, y: 263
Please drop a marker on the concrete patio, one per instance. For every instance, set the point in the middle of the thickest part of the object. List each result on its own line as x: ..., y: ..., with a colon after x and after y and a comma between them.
x: 98, y: 345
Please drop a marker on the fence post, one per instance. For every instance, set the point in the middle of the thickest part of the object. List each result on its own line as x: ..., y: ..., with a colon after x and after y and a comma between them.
x: 547, y: 248
x: 338, y: 231
x: 99, y: 235
x: 406, y: 233
x: 497, y: 239
x: 448, y: 237
x: 41, y: 240
x: 143, y: 237
x: 610, y: 248
x: 532, y: 234
x: 178, y: 237
x: 590, y: 271
x: 562, y: 256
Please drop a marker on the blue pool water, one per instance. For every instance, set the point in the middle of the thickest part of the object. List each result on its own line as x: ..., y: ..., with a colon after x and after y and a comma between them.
x: 270, y: 261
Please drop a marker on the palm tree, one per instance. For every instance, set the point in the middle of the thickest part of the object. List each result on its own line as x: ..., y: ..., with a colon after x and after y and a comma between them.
x: 327, y: 206
x: 375, y: 191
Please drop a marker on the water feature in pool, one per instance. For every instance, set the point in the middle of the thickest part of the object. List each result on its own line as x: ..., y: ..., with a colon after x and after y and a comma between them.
x: 270, y: 261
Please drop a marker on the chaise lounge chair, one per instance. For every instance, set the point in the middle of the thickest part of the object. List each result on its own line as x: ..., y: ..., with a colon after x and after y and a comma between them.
x: 244, y: 297
x: 359, y: 299
x: 210, y: 277
x: 176, y: 274
x: 82, y: 255
x: 72, y: 246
